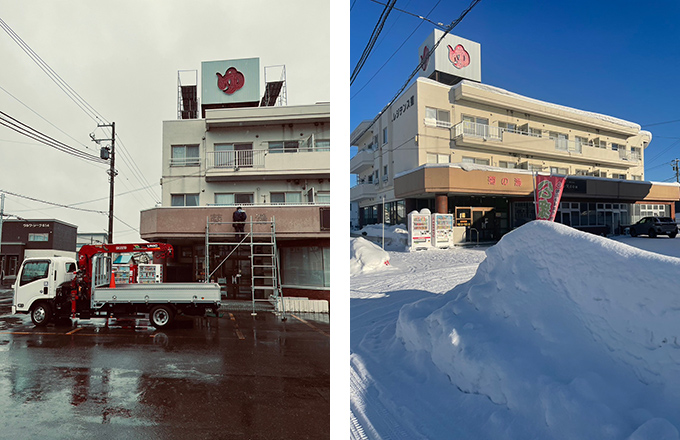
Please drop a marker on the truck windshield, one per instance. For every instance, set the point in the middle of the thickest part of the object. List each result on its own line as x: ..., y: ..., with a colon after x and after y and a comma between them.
x: 34, y: 270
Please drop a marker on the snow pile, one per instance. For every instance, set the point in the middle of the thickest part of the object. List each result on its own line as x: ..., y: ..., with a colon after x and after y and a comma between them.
x: 366, y: 256
x: 396, y: 237
x: 568, y: 334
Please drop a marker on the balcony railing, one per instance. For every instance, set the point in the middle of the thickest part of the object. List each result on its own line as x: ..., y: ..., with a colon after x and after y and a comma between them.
x: 489, y: 132
x: 235, y: 159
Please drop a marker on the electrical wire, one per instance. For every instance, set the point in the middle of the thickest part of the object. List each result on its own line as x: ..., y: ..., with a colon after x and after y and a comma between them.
x: 28, y: 131
x: 449, y: 28
x: 371, y: 41
x: 33, y: 199
x: 439, y: 25
x: 394, y: 53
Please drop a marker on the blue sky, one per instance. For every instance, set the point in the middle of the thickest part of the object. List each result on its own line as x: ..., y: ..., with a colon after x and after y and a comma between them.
x: 618, y: 58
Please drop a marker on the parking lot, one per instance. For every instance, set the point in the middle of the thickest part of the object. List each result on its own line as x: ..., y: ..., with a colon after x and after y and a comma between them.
x: 236, y: 376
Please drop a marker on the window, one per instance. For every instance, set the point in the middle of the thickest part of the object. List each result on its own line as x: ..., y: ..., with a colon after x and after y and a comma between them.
x: 579, y: 172
x: 619, y: 176
x: 243, y: 198
x: 284, y: 146
x: 184, y: 200
x: 507, y: 126
x: 475, y: 160
x: 34, y: 270
x: 615, y: 147
x: 635, y: 153
x: 184, y: 155
x: 634, y: 177
x: 305, y: 266
x: 377, y: 176
x: 385, y: 173
x: 579, y: 142
x: 385, y: 135
x: 475, y: 126
x: 39, y: 237
x: 438, y: 158
x: 323, y: 145
x: 504, y: 164
x: 285, y: 198
x: 224, y: 199
x: 323, y: 197
x: 561, y: 140
x: 559, y: 170
x: 437, y: 117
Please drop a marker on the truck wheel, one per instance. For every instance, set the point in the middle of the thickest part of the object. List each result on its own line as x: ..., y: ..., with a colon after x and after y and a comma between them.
x: 161, y: 316
x: 41, y: 314
x: 673, y: 234
x: 652, y: 233
x: 633, y: 232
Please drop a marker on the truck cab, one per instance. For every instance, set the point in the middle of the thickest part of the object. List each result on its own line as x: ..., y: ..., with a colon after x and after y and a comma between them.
x: 36, y: 284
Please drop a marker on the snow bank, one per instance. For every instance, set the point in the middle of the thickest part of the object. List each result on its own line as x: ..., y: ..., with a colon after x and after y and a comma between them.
x: 396, y: 236
x: 574, y: 334
x: 366, y: 256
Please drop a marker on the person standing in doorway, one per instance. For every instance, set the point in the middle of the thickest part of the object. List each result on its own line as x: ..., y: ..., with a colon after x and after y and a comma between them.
x: 239, y: 219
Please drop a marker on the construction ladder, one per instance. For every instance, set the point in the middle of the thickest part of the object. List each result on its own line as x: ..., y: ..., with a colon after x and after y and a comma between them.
x: 259, y: 239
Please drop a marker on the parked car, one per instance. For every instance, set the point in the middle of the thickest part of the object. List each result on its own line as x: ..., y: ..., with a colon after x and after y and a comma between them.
x: 654, y: 226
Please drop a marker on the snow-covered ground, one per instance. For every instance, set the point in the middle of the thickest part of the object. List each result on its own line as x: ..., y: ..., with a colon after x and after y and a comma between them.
x: 550, y: 334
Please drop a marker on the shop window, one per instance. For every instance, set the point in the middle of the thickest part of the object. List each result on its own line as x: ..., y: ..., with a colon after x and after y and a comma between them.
x: 184, y: 200
x: 307, y: 266
x: 184, y: 155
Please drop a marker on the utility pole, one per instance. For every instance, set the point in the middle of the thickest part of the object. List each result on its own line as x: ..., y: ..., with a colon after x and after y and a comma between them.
x: 676, y: 169
x: 110, y: 154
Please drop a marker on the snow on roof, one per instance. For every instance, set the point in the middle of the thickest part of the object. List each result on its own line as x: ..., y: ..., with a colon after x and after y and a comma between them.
x: 582, y: 113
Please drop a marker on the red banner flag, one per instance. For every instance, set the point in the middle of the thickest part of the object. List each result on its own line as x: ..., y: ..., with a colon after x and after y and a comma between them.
x: 548, y: 195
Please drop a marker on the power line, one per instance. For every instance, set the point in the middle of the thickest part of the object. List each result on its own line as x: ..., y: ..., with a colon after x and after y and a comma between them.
x: 33, y: 199
x: 394, y: 53
x: 439, y: 25
x: 423, y: 60
x: 372, y: 39
x: 27, y: 130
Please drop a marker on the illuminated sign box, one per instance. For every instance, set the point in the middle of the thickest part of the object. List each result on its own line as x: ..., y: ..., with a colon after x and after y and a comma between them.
x: 455, y: 56
x: 230, y: 81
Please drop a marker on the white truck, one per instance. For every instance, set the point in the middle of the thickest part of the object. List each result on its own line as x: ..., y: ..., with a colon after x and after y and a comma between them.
x: 61, y: 287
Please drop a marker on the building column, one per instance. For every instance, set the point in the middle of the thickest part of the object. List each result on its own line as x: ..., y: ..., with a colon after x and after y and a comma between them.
x: 441, y: 203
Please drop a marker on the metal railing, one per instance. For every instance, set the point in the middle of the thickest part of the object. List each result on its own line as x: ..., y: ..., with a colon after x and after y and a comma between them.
x: 235, y: 159
x: 490, y: 132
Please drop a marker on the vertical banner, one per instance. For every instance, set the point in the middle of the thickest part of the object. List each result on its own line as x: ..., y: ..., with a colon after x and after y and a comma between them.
x: 548, y: 195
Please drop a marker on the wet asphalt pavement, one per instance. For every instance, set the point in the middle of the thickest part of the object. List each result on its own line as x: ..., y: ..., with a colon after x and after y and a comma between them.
x: 234, y: 377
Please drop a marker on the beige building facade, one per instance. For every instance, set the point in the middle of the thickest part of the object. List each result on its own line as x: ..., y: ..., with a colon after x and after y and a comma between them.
x: 472, y: 149
x: 274, y: 162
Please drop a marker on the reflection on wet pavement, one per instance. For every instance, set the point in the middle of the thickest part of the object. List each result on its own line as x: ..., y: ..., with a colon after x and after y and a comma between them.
x: 197, y: 380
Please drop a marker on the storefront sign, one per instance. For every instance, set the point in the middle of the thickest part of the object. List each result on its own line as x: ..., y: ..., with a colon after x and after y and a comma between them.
x: 503, y: 181
x: 230, y: 81
x: 548, y: 195
x: 36, y: 225
x: 459, y: 57
x: 575, y: 186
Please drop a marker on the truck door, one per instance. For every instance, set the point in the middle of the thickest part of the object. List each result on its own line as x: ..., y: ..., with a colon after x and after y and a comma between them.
x: 33, y: 282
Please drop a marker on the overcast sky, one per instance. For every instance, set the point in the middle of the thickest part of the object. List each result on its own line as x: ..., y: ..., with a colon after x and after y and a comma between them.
x: 122, y: 58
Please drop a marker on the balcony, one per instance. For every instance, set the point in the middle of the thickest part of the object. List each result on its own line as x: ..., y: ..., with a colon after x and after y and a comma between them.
x: 501, y: 140
x: 267, y: 164
x: 363, y: 191
x: 361, y: 162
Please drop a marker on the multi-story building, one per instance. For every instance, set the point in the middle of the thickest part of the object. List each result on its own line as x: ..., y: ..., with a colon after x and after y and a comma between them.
x: 273, y: 161
x: 472, y: 149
